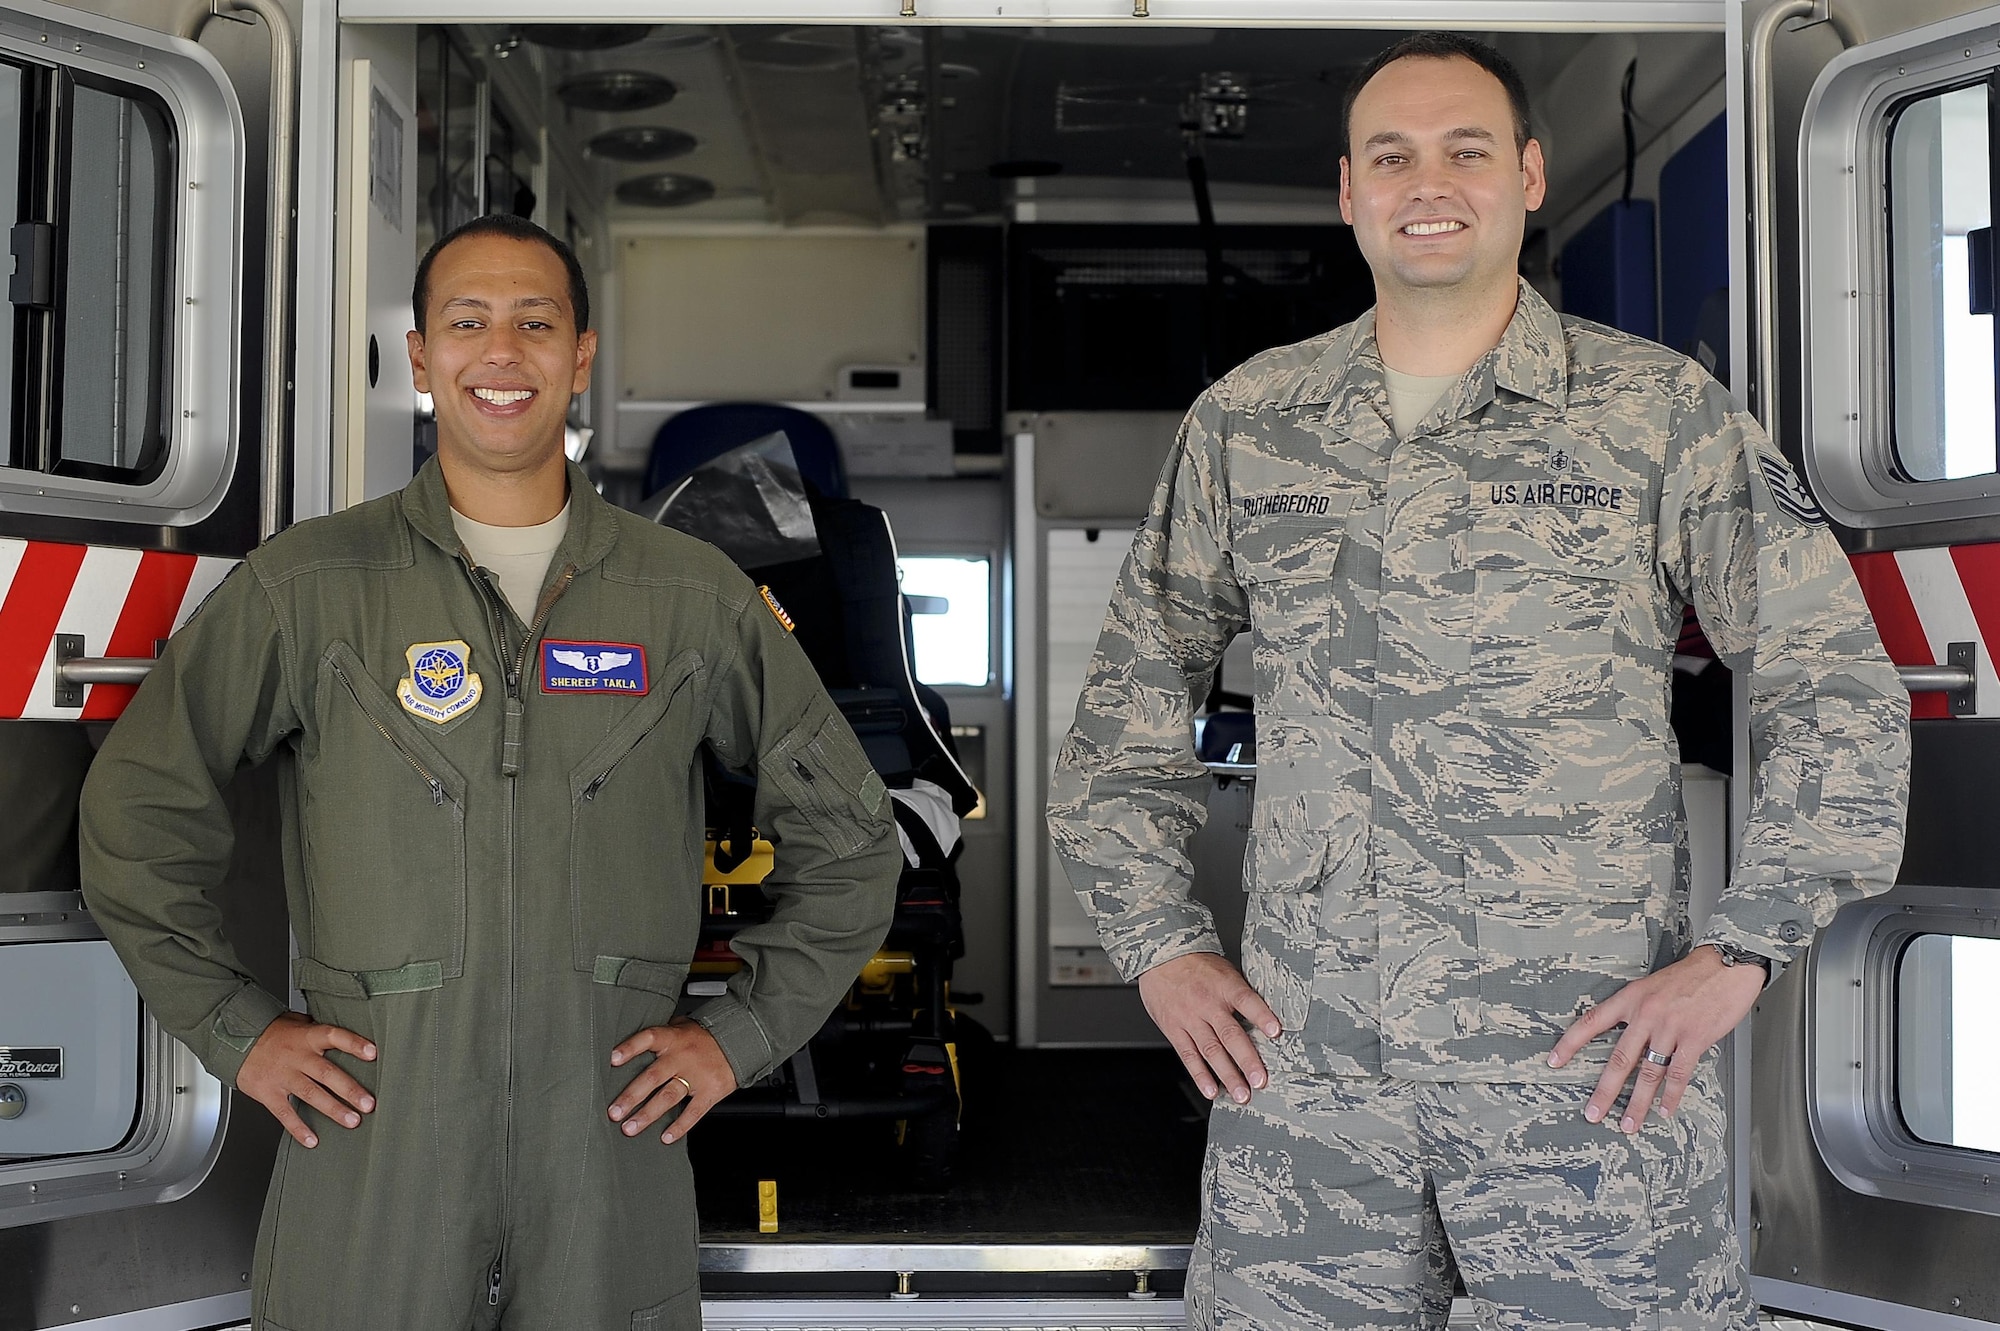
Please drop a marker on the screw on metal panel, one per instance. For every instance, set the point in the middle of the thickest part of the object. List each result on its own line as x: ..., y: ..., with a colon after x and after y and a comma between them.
x: 1857, y: 1065
x: 903, y: 1290
x: 1795, y: 1270
x: 1955, y: 1302
x: 1142, y: 1289
x: 1140, y: 10
x: 34, y: 1187
x: 909, y: 8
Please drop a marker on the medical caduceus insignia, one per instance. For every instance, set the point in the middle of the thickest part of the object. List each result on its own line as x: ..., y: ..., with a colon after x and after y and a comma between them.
x: 441, y: 684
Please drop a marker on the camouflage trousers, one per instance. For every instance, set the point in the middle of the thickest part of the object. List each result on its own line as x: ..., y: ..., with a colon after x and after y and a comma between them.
x: 1352, y: 1202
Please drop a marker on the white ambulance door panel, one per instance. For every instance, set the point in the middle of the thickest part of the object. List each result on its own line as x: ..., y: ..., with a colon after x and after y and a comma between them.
x: 375, y: 400
x: 1875, y: 1165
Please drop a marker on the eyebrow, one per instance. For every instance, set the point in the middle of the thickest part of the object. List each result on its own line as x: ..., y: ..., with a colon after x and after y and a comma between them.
x: 525, y: 302
x: 1390, y: 138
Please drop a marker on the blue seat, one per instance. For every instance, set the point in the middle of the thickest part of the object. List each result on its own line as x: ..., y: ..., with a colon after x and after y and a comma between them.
x: 702, y: 434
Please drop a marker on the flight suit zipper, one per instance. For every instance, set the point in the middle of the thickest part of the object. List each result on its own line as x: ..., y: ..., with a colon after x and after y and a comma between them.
x: 437, y: 786
x: 515, y: 665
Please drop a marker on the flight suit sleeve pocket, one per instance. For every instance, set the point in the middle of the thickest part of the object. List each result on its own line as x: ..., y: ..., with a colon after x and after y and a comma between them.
x: 819, y: 769
x: 1556, y: 932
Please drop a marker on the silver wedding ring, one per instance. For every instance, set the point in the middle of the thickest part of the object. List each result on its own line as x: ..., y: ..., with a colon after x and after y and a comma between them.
x: 1656, y: 1057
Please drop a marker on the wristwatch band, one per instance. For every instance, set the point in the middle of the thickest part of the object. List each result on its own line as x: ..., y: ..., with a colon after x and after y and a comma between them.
x: 1736, y: 956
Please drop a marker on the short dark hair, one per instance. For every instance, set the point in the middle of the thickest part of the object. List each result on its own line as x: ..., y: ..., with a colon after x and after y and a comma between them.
x: 1441, y: 46
x: 513, y: 228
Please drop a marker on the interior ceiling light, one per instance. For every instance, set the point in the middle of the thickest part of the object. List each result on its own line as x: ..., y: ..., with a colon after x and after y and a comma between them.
x: 585, y: 36
x: 665, y: 189
x: 642, y: 143
x: 801, y: 49
x: 616, y: 90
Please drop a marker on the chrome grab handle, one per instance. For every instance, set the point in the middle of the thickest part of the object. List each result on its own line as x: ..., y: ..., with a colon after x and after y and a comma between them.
x: 1934, y: 678
x: 74, y: 672
x: 1957, y: 678
x: 106, y: 670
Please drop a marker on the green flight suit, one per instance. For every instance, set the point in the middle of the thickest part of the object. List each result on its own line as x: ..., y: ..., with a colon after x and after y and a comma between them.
x: 494, y: 872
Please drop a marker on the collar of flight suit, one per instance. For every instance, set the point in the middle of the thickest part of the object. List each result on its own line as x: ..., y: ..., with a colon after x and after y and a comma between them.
x: 1530, y: 361
x: 592, y: 531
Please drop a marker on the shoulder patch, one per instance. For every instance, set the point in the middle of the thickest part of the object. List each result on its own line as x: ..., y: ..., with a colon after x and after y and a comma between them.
x: 1787, y: 492
x: 777, y: 610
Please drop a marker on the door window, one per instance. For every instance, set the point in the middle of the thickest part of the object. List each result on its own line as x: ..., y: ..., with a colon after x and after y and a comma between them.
x: 1941, y: 285
x: 88, y: 166
x: 1947, y: 1041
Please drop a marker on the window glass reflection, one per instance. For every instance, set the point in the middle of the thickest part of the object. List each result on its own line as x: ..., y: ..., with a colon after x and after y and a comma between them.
x: 1948, y: 1040
x: 1941, y: 286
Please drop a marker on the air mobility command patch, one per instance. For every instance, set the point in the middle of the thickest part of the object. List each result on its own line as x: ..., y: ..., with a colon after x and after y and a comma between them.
x: 777, y: 609
x: 593, y: 667
x: 441, y: 683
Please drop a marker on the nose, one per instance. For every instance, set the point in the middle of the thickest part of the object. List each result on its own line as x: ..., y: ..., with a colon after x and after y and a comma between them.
x: 503, y: 344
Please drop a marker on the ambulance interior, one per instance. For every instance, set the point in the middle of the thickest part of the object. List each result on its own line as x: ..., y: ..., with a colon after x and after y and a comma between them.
x: 997, y: 263
x: 979, y: 256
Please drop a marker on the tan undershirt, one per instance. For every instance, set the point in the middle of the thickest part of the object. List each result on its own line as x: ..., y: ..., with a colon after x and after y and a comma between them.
x: 518, y: 556
x: 1411, y: 396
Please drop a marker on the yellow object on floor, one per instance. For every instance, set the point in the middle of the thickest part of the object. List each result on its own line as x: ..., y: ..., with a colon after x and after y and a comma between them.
x: 767, y: 1206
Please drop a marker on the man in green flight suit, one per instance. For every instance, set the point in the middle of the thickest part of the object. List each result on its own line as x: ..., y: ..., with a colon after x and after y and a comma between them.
x: 1461, y: 532
x: 489, y: 693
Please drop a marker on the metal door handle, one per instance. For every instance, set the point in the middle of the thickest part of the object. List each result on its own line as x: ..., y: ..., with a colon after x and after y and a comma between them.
x: 75, y: 672
x: 1957, y: 678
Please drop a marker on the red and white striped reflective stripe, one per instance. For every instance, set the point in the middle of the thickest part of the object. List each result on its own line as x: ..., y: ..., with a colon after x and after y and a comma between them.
x: 1925, y: 600
x: 119, y: 601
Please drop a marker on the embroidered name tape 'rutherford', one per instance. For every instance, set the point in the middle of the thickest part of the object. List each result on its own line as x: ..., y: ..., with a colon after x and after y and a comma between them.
x: 1264, y: 506
x: 593, y: 667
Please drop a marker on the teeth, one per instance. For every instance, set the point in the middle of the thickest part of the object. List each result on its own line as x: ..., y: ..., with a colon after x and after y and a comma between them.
x: 502, y: 396
x: 1432, y: 228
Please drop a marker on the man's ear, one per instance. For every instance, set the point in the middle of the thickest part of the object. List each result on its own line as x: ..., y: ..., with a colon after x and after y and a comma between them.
x: 586, y: 355
x: 1346, y: 194
x: 1534, y: 174
x: 418, y: 374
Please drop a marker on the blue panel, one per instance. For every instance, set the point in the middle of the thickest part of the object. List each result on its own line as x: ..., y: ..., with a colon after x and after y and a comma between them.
x: 1694, y: 236
x: 1607, y: 269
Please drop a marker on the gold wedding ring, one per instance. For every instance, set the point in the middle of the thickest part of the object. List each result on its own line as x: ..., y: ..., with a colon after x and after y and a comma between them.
x: 686, y: 1085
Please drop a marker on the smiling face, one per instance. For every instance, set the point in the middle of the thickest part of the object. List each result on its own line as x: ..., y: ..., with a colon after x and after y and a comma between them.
x: 1434, y: 186
x: 500, y: 354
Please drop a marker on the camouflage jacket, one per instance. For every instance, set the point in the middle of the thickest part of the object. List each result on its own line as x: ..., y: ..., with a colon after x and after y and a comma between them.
x: 1467, y: 824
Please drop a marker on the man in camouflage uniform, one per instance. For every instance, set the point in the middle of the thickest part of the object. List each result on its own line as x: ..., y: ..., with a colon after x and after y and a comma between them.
x: 1461, y: 532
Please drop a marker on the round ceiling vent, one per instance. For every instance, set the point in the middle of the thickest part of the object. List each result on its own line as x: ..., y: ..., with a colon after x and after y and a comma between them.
x: 665, y: 189
x: 642, y: 143
x: 616, y: 90
x: 586, y: 36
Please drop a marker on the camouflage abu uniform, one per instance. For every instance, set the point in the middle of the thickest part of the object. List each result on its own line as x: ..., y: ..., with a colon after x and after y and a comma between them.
x: 1467, y: 823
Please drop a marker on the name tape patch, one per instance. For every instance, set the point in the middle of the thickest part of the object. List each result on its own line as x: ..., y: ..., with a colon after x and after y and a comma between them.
x: 1264, y: 506
x: 593, y: 667
x: 1563, y: 494
x: 24, y: 1061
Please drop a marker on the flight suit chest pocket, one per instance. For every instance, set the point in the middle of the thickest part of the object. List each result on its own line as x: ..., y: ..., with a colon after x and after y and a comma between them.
x: 1286, y: 565
x: 635, y: 835
x: 382, y: 814
x: 1557, y: 590
x: 1556, y: 930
